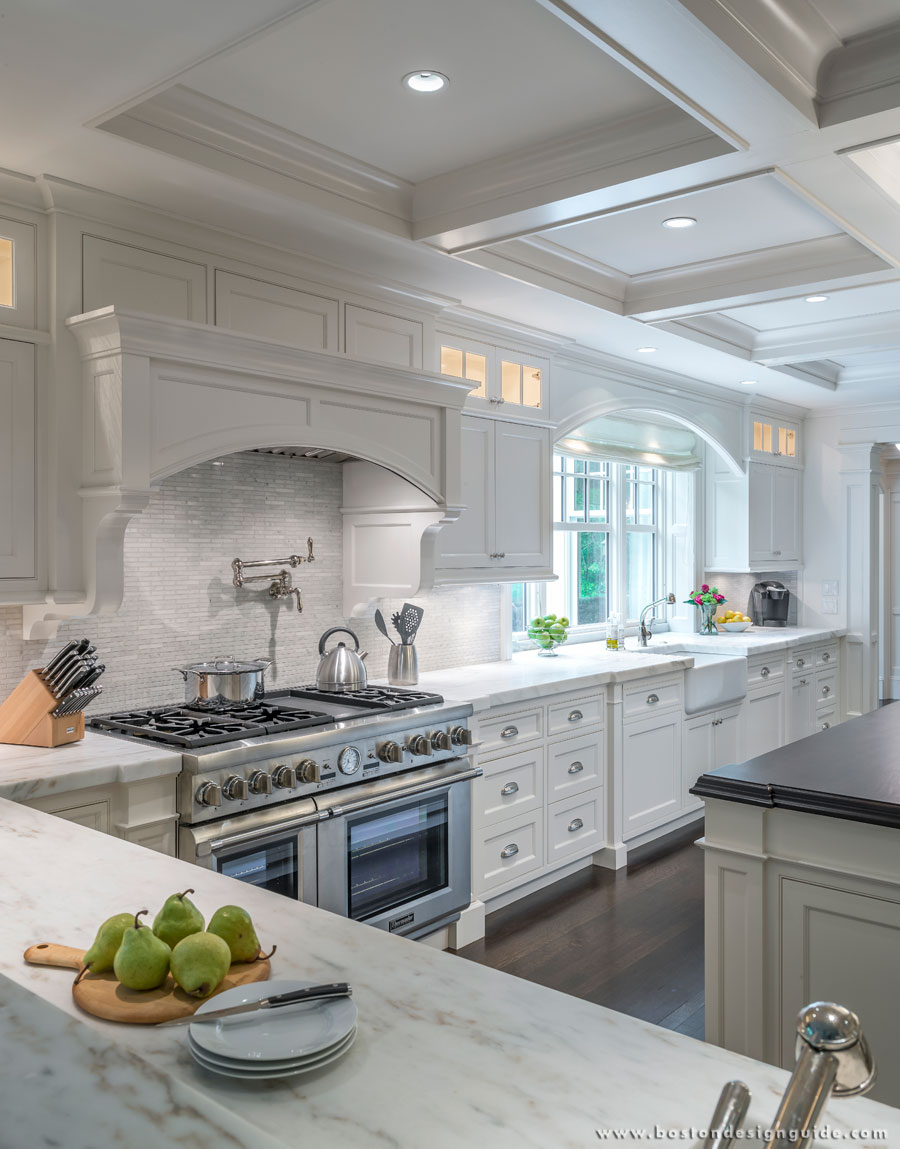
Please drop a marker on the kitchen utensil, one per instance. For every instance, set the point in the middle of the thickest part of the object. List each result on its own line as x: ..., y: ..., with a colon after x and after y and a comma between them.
x: 224, y: 682
x: 395, y: 619
x: 104, y: 996
x: 273, y: 1001
x: 275, y: 1034
x: 382, y: 626
x: 70, y: 680
x: 410, y: 619
x: 403, y: 665
x: 340, y: 668
x: 54, y: 662
x: 77, y: 700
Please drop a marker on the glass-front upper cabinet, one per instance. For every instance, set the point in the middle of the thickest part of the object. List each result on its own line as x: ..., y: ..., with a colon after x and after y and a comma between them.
x: 774, y: 439
x: 17, y: 273
x: 503, y: 381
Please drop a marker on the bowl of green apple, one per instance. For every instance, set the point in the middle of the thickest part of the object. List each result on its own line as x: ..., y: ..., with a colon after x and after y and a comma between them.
x: 548, y: 632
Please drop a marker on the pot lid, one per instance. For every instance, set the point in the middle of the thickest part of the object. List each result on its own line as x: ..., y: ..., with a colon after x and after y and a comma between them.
x: 228, y: 666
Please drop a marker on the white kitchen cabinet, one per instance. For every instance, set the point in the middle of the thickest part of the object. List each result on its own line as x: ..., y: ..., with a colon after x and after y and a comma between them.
x: 765, y: 717
x: 18, y: 273
x: 801, y: 711
x: 709, y: 741
x: 512, y: 382
x: 510, y: 786
x: 575, y: 826
x: 18, y: 462
x: 140, y: 280
x: 753, y: 521
x: 379, y: 337
x: 775, y: 525
x: 651, y: 772
x: 504, y: 534
x: 773, y: 438
x: 273, y: 311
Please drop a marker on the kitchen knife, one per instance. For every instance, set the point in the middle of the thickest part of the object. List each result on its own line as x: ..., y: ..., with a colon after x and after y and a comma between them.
x: 54, y: 662
x: 69, y: 680
x: 65, y: 665
x: 278, y: 1001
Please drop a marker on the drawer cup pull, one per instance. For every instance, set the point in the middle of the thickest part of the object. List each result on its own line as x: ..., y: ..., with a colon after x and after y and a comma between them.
x: 576, y: 768
x: 801, y: 662
x: 575, y: 716
x: 826, y: 725
x: 826, y: 689
x: 652, y: 699
x: 509, y: 731
x: 826, y: 657
x: 764, y: 672
x: 509, y: 851
x: 510, y: 788
x: 574, y: 825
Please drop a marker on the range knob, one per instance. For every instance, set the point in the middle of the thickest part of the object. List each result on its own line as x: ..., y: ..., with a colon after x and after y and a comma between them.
x: 236, y: 789
x: 260, y: 782
x: 210, y: 794
x: 419, y: 744
x: 461, y: 736
x: 390, y: 752
x: 307, y: 771
x: 283, y: 777
x: 440, y: 740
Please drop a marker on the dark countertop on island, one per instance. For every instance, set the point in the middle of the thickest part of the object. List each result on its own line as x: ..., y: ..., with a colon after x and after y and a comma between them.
x: 850, y: 771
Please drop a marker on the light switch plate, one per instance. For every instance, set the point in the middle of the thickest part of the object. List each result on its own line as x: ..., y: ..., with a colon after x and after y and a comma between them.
x: 829, y: 605
x: 831, y: 587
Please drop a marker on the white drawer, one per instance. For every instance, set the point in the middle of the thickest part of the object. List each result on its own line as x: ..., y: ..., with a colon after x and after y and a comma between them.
x: 508, y: 730
x: 507, y: 851
x: 572, y: 715
x: 510, y: 786
x: 575, y: 765
x: 575, y: 827
x: 826, y: 717
x: 764, y: 667
x: 803, y: 660
x: 652, y: 696
x: 826, y: 687
x: 827, y: 656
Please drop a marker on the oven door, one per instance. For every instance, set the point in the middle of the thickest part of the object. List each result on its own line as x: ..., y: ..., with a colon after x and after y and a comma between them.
x: 275, y: 853
x: 398, y: 857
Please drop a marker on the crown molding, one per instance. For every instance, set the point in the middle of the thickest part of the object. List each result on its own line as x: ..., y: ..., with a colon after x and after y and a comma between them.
x: 822, y: 374
x: 823, y: 340
x: 860, y: 77
x: 492, y: 327
x: 720, y: 332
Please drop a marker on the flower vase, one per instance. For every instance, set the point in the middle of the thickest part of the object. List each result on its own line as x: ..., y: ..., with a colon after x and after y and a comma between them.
x: 708, y: 618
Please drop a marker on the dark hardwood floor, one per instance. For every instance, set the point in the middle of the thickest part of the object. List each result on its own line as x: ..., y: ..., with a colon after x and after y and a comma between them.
x: 630, y: 939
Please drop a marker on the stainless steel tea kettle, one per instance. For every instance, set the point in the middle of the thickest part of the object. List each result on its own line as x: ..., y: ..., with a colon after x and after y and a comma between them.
x: 340, y: 669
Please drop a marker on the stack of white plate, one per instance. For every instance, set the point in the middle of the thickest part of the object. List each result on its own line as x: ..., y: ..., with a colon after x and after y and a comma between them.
x: 279, y: 1042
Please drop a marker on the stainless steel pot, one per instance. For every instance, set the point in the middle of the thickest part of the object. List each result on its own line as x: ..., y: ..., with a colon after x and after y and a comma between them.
x: 341, y: 668
x: 224, y: 682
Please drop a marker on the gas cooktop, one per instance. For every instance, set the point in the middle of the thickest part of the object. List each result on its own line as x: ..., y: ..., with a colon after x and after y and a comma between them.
x: 378, y: 699
x: 189, y: 728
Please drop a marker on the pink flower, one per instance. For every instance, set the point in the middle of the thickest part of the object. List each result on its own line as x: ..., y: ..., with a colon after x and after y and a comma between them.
x: 705, y: 587
x: 720, y: 598
x: 698, y: 600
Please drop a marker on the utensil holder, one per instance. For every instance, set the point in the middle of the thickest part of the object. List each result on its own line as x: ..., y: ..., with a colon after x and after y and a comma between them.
x: 403, y: 665
x: 26, y: 718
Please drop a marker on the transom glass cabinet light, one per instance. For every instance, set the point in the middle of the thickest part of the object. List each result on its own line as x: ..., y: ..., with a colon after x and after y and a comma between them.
x: 426, y: 81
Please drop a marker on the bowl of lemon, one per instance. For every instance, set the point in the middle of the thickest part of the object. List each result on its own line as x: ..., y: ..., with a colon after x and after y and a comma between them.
x: 734, y: 621
x: 548, y: 632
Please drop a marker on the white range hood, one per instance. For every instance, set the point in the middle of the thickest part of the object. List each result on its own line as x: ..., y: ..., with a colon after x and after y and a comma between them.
x: 159, y: 395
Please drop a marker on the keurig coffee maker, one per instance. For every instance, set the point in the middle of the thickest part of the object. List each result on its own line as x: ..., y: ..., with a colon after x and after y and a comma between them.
x: 768, y: 604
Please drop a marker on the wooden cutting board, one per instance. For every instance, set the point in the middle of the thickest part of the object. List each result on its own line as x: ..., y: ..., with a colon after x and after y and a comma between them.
x: 103, y: 995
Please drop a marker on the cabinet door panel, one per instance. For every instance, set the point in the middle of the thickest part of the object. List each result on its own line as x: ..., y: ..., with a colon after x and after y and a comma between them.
x: 761, y: 511
x: 275, y: 312
x: 786, y: 513
x: 379, y: 337
x: 802, y: 709
x: 94, y: 815
x: 470, y: 540
x: 17, y: 460
x: 765, y: 719
x: 509, y: 787
x: 575, y: 827
x: 575, y: 765
x: 651, y: 787
x: 142, y: 281
x: 522, y: 495
x: 698, y: 757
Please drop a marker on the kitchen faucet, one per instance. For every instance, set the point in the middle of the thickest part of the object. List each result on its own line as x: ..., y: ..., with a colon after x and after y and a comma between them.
x: 646, y: 631
x: 833, y: 1058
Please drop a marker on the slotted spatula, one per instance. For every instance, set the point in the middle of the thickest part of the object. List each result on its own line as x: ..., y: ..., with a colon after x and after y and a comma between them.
x: 410, y: 620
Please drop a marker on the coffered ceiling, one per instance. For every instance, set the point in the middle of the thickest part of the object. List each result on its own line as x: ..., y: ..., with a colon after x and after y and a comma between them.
x: 534, y: 187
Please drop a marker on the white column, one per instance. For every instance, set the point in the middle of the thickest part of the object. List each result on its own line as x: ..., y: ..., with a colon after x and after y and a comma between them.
x: 891, y: 637
x: 860, y: 488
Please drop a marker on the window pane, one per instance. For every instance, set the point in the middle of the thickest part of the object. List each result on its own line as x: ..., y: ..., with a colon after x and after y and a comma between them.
x: 598, y: 500
x: 646, y: 503
x: 574, y: 499
x: 791, y: 445
x: 767, y: 438
x: 640, y: 583
x: 511, y: 382
x: 451, y: 362
x: 531, y: 386
x: 6, y: 273
x: 580, y: 594
x: 518, y: 606
x: 476, y: 371
x: 757, y: 437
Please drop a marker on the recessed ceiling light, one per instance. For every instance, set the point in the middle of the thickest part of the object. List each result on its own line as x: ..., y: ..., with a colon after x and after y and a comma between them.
x: 645, y: 350
x: 426, y: 81
x: 748, y: 382
x: 218, y: 463
x: 677, y: 221
x: 815, y: 299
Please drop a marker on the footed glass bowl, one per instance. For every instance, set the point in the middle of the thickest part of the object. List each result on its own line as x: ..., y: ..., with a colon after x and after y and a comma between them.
x: 547, y: 643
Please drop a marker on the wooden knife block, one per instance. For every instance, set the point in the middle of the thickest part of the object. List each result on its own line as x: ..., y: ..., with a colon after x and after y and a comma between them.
x: 26, y: 718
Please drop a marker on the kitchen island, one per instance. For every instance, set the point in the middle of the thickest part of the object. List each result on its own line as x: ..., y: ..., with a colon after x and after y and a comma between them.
x: 449, y: 1053
x: 802, y: 858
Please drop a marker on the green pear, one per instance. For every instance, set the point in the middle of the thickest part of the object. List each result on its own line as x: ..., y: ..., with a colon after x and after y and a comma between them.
x: 235, y: 926
x: 200, y: 963
x: 178, y: 918
x: 99, y: 958
x: 142, y: 960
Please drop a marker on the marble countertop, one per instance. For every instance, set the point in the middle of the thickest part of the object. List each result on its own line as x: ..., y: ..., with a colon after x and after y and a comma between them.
x: 580, y: 666
x: 29, y: 772
x: 449, y: 1053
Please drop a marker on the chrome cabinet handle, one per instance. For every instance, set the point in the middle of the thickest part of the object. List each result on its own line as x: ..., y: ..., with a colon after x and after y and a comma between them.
x: 652, y: 698
x: 576, y: 768
x: 510, y: 788
x: 765, y: 672
x: 804, y: 682
x: 776, y: 552
x: 498, y: 555
x: 575, y: 716
x: 826, y: 689
x: 509, y: 851
x: 509, y: 731
x: 574, y: 825
x: 497, y: 401
x: 501, y: 555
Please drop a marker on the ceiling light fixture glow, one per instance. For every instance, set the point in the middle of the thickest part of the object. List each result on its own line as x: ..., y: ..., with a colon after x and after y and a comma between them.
x: 677, y: 221
x: 645, y: 350
x: 748, y: 382
x: 426, y: 81
x: 815, y: 299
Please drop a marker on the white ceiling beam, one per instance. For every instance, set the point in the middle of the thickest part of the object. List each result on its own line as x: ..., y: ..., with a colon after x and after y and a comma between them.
x: 860, y: 77
x: 827, y: 340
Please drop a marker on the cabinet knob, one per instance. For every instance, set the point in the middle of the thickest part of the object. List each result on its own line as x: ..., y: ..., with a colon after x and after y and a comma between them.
x: 765, y: 672
x: 777, y: 553
x: 826, y: 657
x: 826, y: 689
x: 509, y: 851
x: 574, y: 825
x: 509, y: 732
x: 509, y: 788
x: 804, y: 682
x: 801, y: 662
x: 575, y: 716
x: 576, y: 768
x: 826, y: 725
x: 652, y: 699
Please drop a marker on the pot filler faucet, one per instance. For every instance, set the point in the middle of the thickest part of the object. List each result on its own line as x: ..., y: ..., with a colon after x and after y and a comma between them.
x: 646, y: 632
x: 833, y: 1058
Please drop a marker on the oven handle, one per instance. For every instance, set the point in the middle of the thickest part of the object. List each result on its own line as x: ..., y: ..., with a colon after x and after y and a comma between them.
x: 411, y: 792
x: 254, y: 835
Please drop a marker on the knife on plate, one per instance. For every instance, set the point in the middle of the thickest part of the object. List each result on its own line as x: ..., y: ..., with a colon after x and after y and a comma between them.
x: 277, y: 1001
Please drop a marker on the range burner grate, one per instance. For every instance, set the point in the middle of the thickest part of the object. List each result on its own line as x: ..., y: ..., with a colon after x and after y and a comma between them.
x: 378, y: 698
x: 187, y: 728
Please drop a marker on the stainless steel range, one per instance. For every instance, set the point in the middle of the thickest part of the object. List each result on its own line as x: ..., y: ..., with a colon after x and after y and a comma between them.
x: 357, y: 802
